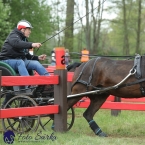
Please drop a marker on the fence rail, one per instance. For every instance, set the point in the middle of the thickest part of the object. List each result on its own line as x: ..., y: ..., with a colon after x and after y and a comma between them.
x: 125, y: 104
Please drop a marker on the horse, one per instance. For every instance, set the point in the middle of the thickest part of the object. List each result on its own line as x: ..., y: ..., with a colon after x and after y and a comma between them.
x: 100, y: 77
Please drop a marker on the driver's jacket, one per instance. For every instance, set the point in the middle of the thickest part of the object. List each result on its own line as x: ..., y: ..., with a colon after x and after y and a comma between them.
x: 16, y: 46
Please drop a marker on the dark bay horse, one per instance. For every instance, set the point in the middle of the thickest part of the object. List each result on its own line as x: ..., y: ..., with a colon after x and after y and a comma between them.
x: 100, y: 73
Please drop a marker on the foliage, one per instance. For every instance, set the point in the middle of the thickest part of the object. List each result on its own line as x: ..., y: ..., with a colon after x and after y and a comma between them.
x: 112, y: 34
x: 5, y: 25
x: 117, y: 31
x: 48, y: 17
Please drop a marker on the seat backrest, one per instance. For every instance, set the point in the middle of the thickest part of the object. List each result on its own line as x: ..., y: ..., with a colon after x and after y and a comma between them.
x: 7, y: 70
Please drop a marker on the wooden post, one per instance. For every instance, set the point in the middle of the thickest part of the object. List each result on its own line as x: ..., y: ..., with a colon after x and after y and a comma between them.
x: 116, y: 112
x: 60, y: 92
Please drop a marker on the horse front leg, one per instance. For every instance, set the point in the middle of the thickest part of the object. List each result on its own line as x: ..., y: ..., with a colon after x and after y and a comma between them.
x: 95, y: 104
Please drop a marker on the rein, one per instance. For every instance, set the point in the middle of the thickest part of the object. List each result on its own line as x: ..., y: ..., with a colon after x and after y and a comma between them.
x: 95, y: 55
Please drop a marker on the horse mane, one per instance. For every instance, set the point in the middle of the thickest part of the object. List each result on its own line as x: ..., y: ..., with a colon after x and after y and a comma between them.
x: 72, y: 67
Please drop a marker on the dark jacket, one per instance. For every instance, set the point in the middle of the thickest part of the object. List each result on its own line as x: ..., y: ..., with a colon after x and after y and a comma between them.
x: 16, y: 46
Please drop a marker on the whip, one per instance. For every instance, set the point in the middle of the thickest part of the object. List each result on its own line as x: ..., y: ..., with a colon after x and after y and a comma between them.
x: 71, y: 24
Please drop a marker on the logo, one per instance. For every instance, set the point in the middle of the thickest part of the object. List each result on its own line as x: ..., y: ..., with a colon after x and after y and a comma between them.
x: 9, y: 137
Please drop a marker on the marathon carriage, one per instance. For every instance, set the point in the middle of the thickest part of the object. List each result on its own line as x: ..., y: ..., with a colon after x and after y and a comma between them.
x: 25, y: 98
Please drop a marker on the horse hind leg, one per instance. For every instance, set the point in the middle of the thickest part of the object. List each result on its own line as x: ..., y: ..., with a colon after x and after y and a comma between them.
x: 95, y: 104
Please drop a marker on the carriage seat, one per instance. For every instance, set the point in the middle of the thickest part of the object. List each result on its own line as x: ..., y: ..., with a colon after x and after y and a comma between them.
x: 7, y: 70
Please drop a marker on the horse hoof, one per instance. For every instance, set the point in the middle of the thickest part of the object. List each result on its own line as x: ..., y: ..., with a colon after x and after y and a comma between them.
x: 102, y: 134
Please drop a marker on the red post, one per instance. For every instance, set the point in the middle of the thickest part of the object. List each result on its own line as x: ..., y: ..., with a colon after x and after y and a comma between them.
x: 60, y: 91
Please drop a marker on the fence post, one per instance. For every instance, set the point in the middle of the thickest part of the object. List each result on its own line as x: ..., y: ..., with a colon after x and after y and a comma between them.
x: 60, y: 92
x: 116, y: 112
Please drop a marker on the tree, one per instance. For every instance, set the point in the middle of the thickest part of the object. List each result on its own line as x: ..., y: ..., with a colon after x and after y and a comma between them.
x: 127, y: 29
x: 138, y: 27
x: 68, y: 41
x: 58, y: 14
x: 5, y: 25
x: 96, y: 24
x: 92, y: 25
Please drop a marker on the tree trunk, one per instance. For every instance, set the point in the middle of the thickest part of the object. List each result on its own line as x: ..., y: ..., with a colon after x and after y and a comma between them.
x: 87, y: 28
x: 68, y: 42
x: 97, y: 26
x: 126, y: 42
x: 139, y: 27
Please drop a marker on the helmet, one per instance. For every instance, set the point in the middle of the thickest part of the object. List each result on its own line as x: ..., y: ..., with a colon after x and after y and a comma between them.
x: 23, y: 24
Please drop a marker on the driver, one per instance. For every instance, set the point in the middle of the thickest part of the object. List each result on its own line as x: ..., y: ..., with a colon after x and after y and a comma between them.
x: 15, y: 52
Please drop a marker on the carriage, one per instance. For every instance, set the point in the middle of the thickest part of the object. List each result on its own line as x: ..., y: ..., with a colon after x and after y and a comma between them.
x: 28, y: 98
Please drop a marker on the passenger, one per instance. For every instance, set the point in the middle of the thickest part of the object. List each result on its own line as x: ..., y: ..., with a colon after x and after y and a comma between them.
x: 15, y: 52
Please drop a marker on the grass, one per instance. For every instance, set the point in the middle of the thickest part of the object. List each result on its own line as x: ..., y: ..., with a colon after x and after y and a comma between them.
x: 127, y: 128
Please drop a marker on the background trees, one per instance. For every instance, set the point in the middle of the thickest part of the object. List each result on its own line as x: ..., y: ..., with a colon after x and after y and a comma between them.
x: 128, y: 27
x: 5, y: 25
x: 89, y: 24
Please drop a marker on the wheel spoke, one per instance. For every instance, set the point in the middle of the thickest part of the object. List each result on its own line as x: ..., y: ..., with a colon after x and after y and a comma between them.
x: 21, y: 124
x: 46, y: 125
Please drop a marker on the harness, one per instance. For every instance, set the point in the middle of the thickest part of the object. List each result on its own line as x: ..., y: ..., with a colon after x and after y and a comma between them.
x: 136, y: 70
x: 87, y: 84
x: 139, y: 62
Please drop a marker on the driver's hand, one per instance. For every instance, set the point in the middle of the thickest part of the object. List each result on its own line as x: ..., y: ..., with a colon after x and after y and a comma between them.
x: 42, y: 57
x: 36, y: 45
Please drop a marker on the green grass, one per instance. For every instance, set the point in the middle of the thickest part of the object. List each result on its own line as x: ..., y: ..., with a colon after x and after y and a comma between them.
x: 127, y: 128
